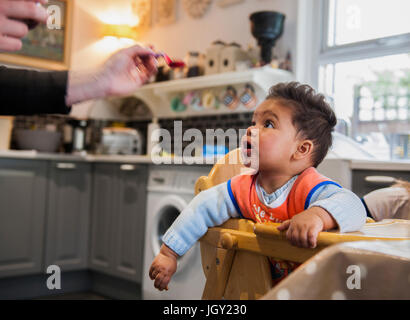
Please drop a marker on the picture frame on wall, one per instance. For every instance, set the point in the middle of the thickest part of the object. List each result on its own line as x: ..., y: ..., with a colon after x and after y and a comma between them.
x: 143, y: 9
x: 165, y: 12
x: 47, y: 46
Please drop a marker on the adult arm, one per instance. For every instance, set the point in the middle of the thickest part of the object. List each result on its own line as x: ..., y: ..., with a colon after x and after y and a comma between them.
x: 27, y: 92
x: 32, y: 92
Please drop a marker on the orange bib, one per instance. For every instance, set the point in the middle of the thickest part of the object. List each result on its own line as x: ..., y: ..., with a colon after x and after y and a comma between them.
x: 242, y: 190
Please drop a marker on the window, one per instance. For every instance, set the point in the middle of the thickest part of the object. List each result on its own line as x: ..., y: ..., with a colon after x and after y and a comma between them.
x: 352, y: 21
x: 364, y: 67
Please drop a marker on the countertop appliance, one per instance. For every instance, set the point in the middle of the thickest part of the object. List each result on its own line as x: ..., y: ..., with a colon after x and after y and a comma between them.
x: 170, y: 189
x: 121, y: 141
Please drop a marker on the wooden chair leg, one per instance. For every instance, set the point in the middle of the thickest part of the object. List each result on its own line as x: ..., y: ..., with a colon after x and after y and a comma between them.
x: 250, y: 277
x: 218, y: 273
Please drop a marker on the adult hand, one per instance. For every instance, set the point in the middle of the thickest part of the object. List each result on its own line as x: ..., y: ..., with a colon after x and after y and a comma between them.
x: 12, y: 29
x: 127, y: 70
x: 121, y: 74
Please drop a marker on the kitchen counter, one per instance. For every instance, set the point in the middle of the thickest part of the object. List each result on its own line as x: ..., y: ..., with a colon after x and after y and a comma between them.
x: 396, y: 165
x: 372, y: 164
x: 144, y: 159
x: 32, y: 154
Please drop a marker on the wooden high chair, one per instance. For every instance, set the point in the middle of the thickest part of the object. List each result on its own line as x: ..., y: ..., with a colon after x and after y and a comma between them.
x: 234, y: 255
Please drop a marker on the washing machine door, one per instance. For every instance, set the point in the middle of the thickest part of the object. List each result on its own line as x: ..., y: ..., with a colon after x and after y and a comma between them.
x: 167, y: 211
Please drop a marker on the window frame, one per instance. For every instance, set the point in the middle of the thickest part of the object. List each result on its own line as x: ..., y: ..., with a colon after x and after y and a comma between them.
x: 331, y: 55
x: 367, y: 49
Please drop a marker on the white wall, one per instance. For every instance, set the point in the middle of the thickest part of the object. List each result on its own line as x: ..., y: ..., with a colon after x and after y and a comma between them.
x: 89, y: 49
x: 229, y: 24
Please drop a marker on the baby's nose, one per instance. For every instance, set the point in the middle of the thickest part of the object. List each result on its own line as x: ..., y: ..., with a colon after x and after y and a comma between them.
x: 251, y: 131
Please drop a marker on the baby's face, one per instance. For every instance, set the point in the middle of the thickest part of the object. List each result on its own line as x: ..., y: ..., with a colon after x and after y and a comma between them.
x: 271, y: 137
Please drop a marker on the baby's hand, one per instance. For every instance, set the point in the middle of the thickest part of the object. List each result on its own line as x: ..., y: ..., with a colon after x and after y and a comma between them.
x: 303, y: 228
x: 163, y: 267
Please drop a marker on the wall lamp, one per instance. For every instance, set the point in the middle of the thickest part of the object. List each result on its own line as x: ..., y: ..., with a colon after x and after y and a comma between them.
x: 120, y: 31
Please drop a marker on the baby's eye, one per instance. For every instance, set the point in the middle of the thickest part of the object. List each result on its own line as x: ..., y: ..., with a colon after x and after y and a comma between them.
x: 269, y: 124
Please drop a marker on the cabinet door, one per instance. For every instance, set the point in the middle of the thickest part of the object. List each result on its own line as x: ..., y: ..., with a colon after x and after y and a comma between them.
x: 102, y: 217
x: 22, y: 214
x: 130, y: 221
x: 68, y: 215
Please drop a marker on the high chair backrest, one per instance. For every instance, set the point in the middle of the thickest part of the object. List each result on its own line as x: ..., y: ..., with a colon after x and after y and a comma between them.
x: 234, y: 255
x: 227, y: 167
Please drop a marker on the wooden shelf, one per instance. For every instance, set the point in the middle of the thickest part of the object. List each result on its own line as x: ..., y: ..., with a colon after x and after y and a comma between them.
x: 159, y: 95
x: 257, y: 76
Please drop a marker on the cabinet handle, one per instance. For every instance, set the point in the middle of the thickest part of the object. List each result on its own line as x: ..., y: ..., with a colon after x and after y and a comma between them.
x: 159, y: 179
x: 127, y: 167
x: 66, y: 166
x: 380, y: 179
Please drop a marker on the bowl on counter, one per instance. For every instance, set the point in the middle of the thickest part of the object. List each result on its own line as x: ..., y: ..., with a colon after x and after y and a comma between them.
x: 40, y: 140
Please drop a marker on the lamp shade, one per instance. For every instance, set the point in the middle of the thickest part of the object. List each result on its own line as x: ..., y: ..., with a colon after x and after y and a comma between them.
x: 120, y: 31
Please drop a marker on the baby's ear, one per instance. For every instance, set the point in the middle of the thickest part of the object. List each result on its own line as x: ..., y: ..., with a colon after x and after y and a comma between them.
x: 304, y: 149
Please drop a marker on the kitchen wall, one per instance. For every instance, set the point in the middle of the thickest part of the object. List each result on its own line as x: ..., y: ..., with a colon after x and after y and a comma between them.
x: 228, y: 24
x: 186, y: 34
x: 89, y: 48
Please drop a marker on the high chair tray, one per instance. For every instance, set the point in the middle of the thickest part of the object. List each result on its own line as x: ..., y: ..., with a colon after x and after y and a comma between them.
x: 353, y: 270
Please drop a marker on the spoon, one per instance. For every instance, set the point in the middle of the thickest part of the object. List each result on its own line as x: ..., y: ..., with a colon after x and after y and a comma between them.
x: 171, y: 63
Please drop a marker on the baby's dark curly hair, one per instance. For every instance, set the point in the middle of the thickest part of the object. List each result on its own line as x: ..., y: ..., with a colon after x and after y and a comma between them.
x: 312, y: 116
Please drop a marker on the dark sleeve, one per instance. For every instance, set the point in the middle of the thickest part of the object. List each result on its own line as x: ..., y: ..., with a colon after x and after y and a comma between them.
x: 26, y: 92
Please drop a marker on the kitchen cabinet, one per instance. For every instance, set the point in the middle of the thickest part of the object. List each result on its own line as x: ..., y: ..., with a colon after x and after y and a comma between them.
x: 102, y: 217
x: 118, y: 219
x: 23, y: 186
x: 68, y: 212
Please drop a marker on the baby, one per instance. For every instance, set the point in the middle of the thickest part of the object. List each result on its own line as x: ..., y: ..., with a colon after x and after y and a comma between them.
x: 293, y: 126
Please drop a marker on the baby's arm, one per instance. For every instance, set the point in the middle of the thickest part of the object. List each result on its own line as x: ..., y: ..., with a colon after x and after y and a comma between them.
x: 330, y: 207
x: 343, y: 205
x: 210, y: 208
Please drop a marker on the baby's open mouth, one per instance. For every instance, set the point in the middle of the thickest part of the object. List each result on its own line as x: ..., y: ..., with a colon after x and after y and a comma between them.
x: 247, y: 147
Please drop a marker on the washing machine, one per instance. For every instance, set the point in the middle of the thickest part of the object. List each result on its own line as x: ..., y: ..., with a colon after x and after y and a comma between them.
x: 169, y: 190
